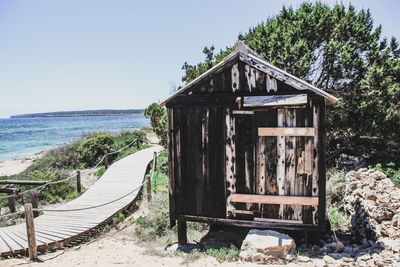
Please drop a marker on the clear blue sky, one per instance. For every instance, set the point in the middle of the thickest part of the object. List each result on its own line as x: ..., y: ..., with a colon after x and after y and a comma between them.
x: 92, y: 54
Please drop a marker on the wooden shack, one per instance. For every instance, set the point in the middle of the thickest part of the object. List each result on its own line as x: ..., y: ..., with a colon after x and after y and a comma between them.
x: 246, y: 147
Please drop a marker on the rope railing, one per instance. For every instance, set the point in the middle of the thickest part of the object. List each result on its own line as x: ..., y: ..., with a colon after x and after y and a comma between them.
x: 71, y: 176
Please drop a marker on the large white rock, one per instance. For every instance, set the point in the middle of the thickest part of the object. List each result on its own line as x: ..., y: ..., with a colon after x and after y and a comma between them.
x: 266, y: 246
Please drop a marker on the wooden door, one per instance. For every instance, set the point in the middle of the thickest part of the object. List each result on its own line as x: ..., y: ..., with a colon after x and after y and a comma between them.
x: 274, y: 165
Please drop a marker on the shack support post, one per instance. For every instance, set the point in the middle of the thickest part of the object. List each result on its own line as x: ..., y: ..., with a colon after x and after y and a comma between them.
x: 182, y: 237
x: 148, y: 177
x: 78, y: 182
x: 34, y: 200
x: 30, y: 230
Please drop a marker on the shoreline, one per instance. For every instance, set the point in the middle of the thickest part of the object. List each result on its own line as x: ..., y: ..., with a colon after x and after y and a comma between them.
x: 14, y: 166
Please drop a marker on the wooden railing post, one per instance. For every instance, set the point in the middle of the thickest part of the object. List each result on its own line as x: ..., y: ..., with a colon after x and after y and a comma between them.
x: 30, y: 230
x: 78, y: 182
x: 11, y: 202
x: 34, y: 200
x: 148, y: 177
x: 106, y: 160
x: 153, y: 170
x: 137, y: 142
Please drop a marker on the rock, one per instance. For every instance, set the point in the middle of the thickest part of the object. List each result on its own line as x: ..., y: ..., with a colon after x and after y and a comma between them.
x: 303, y: 259
x: 338, y: 256
x: 266, y: 246
x: 339, y: 247
x: 348, y: 259
x: 392, y: 244
x: 328, y: 259
x: 319, y: 263
x: 385, y: 184
x: 381, y: 213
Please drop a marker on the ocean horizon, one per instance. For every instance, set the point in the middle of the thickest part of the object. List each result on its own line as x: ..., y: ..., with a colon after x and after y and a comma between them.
x: 23, y: 137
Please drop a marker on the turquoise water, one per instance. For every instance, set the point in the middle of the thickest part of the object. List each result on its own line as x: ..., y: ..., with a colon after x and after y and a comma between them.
x: 26, y: 136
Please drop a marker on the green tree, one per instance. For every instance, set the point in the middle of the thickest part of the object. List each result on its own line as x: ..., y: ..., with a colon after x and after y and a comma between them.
x: 158, y: 121
x: 338, y: 50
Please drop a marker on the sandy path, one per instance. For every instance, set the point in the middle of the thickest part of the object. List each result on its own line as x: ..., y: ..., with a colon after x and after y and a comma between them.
x: 15, y: 166
x: 117, y: 248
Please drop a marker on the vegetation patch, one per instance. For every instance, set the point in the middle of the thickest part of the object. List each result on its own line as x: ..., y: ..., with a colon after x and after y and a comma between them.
x: 391, y: 170
x: 59, y: 163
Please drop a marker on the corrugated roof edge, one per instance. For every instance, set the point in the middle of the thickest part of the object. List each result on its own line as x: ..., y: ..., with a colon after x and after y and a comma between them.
x: 240, y: 47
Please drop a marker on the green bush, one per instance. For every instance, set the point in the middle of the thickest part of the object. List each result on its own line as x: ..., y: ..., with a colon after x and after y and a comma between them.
x: 91, y: 150
x: 338, y: 219
x: 391, y: 170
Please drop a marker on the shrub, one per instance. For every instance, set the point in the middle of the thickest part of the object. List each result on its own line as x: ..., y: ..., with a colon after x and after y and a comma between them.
x: 338, y: 219
x: 391, y: 170
x: 91, y: 150
x: 335, y: 188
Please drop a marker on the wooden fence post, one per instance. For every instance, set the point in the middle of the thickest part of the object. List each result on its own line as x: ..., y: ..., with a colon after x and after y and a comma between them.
x: 153, y: 170
x: 30, y: 230
x: 11, y: 202
x: 148, y: 177
x: 34, y: 200
x: 106, y: 160
x: 137, y: 142
x: 78, y: 182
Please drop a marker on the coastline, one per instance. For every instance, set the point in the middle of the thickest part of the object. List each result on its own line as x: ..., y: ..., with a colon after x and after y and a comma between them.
x: 14, y: 166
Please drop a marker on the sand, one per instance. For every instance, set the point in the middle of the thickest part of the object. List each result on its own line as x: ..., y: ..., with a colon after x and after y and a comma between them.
x: 118, y: 248
x: 15, y: 166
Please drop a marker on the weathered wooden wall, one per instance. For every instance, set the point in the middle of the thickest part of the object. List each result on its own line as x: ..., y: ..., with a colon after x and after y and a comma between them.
x: 214, y: 152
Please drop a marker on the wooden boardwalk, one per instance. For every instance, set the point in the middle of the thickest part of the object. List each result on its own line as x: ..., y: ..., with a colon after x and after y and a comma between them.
x: 56, y: 229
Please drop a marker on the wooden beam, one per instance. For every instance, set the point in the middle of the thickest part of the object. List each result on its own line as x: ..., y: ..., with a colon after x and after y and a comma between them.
x: 273, y: 131
x: 274, y: 199
x: 275, y: 100
x: 249, y: 224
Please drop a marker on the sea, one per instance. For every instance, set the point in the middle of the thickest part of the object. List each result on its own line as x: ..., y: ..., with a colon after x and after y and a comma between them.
x: 22, y: 137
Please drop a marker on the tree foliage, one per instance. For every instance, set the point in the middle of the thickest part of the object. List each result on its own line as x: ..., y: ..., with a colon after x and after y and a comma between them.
x: 158, y: 121
x: 339, y: 50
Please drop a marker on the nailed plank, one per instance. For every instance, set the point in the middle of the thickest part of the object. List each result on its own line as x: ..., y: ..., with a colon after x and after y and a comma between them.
x: 230, y: 154
x: 249, y: 224
x: 271, y: 84
x: 299, y: 163
x: 242, y: 112
x: 250, y: 75
x: 235, y: 77
x: 280, y: 167
x: 275, y: 100
x: 289, y: 131
x: 315, y: 178
x: 205, y: 158
x: 270, y: 199
x: 171, y: 161
x: 290, y: 161
x: 308, y: 165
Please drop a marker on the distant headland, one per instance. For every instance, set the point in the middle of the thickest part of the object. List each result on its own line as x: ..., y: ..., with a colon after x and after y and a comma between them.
x: 99, y: 112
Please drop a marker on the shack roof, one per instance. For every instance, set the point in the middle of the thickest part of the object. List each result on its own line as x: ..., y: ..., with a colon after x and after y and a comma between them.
x: 248, y: 56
